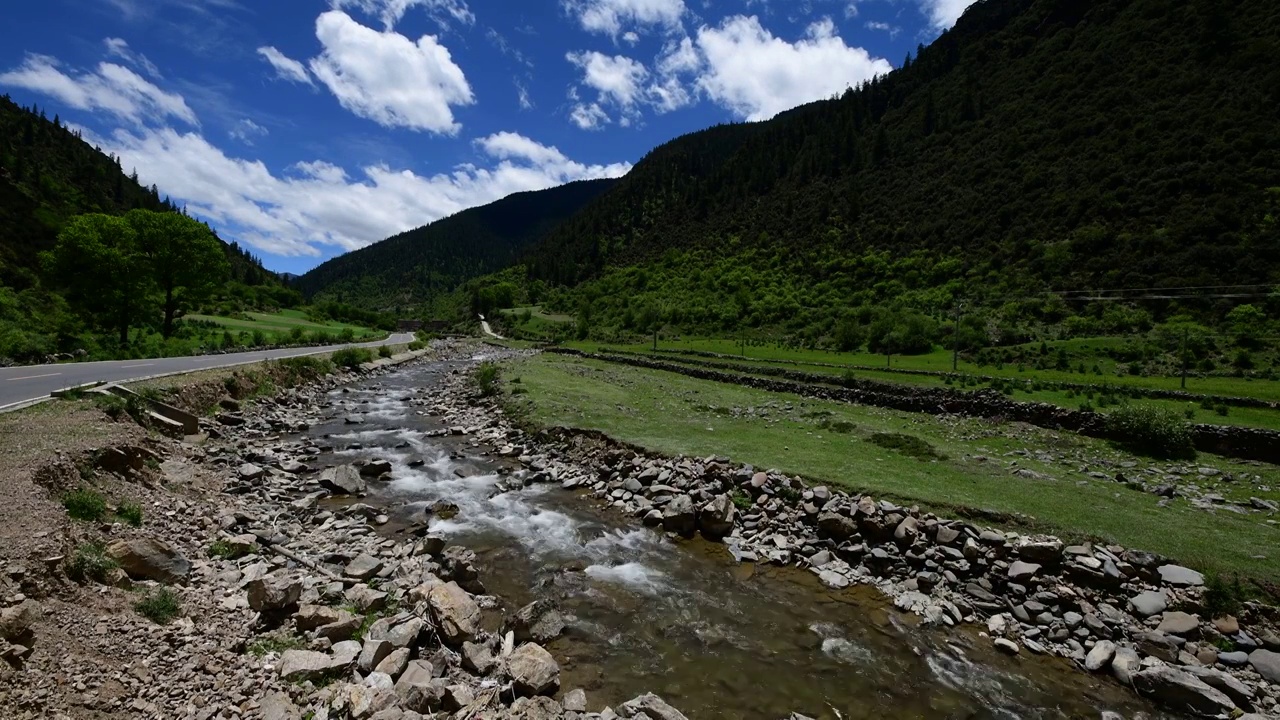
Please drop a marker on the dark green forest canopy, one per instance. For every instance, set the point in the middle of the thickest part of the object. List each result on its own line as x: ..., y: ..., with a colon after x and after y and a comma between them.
x: 1038, y: 145
x: 414, y: 267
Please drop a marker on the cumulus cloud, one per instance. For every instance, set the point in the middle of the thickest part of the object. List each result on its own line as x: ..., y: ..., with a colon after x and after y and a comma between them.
x: 390, y: 11
x: 388, y: 78
x: 610, y: 16
x: 757, y: 75
x: 109, y: 87
x: 588, y: 116
x: 117, y: 47
x: 893, y: 30
x: 286, y: 68
x: 316, y: 203
x: 617, y: 79
x: 943, y: 14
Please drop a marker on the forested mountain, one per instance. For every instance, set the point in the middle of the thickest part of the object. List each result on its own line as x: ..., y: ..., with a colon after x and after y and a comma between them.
x: 409, y: 269
x: 48, y: 176
x: 1039, y: 145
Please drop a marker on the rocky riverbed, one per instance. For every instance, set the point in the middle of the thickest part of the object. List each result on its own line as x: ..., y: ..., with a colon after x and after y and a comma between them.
x: 395, y: 548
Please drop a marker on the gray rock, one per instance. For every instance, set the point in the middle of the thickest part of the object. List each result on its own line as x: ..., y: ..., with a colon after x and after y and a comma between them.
x: 276, y: 591
x: 835, y: 526
x: 395, y: 663
x: 1100, y: 656
x: 343, y: 480
x: 533, y: 670
x: 1179, y: 576
x: 310, y: 617
x: 1267, y: 664
x: 416, y: 688
x: 1234, y: 659
x: 454, y: 612
x: 575, y: 700
x: 300, y: 665
x: 365, y: 599
x: 1239, y: 693
x: 250, y: 472
x: 477, y: 658
x: 1125, y: 664
x: 649, y: 705
x: 278, y: 706
x: 16, y: 622
x: 1151, y: 602
x: 1006, y: 645
x: 363, y: 567
x: 715, y: 520
x: 539, y: 621
x: 679, y: 516
x: 1019, y: 570
x: 1176, y: 622
x: 372, y: 652
x: 1182, y: 691
x: 947, y: 535
x: 149, y: 559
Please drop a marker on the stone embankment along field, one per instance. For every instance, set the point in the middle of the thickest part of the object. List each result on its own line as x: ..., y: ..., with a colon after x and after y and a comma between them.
x: 1227, y: 440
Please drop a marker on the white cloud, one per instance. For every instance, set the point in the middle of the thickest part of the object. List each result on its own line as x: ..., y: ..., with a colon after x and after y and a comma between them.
x: 390, y: 11
x: 943, y: 14
x: 589, y: 116
x: 116, y: 47
x: 112, y: 88
x: 630, y: 37
x: 893, y: 30
x: 286, y: 68
x: 388, y: 78
x: 522, y: 93
x: 617, y: 79
x: 757, y: 75
x: 318, y: 203
x: 246, y: 130
x: 609, y: 16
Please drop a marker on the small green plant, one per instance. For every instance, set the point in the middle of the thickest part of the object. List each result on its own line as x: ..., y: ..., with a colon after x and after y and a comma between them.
x: 276, y: 642
x: 351, y: 358
x: 85, y: 504
x: 1151, y: 430
x: 1222, y: 597
x: 486, y: 379
x: 130, y: 513
x: 384, y: 351
x: 742, y: 500
x: 159, y: 606
x: 1222, y: 410
x: 90, y: 562
x: 416, y: 345
x: 227, y: 551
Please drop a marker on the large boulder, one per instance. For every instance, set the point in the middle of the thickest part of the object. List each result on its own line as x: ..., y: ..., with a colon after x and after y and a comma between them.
x: 477, y: 658
x: 539, y: 621
x: 1181, y: 691
x: 1240, y: 694
x: 1100, y: 656
x: 343, y: 480
x: 1179, y: 576
x: 301, y: 665
x: 16, y: 622
x: 715, y: 520
x: 651, y: 706
x: 1267, y: 664
x: 533, y: 670
x: 363, y: 567
x: 310, y: 617
x: 276, y: 591
x: 455, y: 612
x: 679, y: 516
x: 149, y: 559
x: 1151, y: 602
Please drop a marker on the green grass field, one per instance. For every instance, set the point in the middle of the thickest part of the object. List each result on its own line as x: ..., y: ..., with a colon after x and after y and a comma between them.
x: 674, y: 414
x: 283, y: 323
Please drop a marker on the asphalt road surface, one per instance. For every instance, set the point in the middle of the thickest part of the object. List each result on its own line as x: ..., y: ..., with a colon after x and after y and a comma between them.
x: 21, y: 385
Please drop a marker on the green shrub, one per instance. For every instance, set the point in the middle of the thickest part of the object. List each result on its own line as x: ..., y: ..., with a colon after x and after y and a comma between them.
x: 384, y: 351
x: 275, y: 643
x: 85, y: 504
x: 130, y: 513
x: 416, y: 345
x: 1151, y: 430
x: 486, y: 379
x: 1222, y: 597
x: 907, y: 445
x: 227, y: 551
x: 742, y: 500
x: 90, y: 562
x: 351, y: 358
x: 159, y: 606
x: 1222, y: 410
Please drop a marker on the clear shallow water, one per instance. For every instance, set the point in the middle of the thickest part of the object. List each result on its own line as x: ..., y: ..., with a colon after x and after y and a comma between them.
x: 714, y: 638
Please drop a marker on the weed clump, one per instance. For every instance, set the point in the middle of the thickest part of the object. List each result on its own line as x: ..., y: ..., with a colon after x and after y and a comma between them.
x: 384, y: 351
x: 909, y: 445
x: 130, y: 513
x: 351, y: 358
x: 159, y: 606
x: 90, y: 562
x: 486, y: 379
x: 85, y: 504
x: 275, y: 643
x: 227, y: 551
x: 1151, y: 430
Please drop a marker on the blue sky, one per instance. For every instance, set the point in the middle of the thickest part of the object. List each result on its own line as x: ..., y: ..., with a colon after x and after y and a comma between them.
x: 306, y: 128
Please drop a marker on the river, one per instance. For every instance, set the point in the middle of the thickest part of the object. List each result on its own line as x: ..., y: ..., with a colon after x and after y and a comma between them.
x: 713, y: 637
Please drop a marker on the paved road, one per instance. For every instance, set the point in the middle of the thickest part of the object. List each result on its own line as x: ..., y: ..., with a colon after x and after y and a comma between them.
x: 484, y: 325
x: 20, y: 385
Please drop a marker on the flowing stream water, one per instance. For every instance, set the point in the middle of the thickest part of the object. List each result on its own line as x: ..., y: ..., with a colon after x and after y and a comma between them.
x: 715, y: 638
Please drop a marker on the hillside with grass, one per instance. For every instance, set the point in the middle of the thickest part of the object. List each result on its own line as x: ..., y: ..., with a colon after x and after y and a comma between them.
x: 409, y: 270
x: 1044, y: 170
